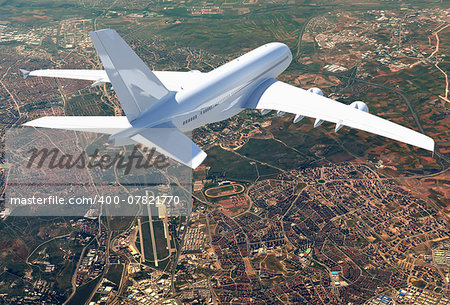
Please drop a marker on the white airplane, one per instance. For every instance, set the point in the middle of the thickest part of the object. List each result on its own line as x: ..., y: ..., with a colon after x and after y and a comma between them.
x: 160, y: 106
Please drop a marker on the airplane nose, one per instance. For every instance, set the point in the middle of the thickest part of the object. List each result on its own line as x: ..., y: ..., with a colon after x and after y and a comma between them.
x: 284, y: 49
x: 277, y: 45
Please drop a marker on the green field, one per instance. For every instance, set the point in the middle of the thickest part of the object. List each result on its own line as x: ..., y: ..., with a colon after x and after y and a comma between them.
x: 114, y: 274
x: 83, y: 293
x: 19, y: 236
x: 161, y: 243
x: 226, y: 164
x: 89, y: 105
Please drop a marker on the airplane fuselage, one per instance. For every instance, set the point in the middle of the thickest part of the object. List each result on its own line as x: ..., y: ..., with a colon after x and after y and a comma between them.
x: 223, y: 93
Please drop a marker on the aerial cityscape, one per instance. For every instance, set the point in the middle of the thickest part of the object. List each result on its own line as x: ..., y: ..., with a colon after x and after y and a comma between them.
x: 282, y: 213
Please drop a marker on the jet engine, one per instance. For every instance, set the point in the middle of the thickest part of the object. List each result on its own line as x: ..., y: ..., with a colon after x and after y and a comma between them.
x: 360, y: 106
x: 315, y: 91
x: 357, y: 105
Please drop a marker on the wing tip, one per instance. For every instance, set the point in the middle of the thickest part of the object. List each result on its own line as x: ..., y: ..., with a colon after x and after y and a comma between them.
x: 431, y: 146
x: 36, y: 122
x: 25, y: 73
x: 427, y: 143
x: 107, y: 30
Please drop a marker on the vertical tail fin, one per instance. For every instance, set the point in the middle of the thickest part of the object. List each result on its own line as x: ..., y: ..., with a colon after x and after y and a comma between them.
x: 136, y: 86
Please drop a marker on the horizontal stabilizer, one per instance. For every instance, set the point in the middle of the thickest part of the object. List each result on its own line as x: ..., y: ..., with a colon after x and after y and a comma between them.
x: 168, y: 141
x: 172, y: 143
x: 101, y: 124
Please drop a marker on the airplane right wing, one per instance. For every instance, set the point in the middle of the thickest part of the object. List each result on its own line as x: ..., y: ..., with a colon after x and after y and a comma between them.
x: 283, y: 97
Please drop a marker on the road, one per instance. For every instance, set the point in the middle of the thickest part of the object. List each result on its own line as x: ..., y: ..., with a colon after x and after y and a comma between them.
x: 177, y: 256
x: 10, y: 94
x: 74, y: 276
x: 300, y: 37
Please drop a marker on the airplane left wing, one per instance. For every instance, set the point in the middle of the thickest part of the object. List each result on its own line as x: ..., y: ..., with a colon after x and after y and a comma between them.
x: 101, y: 124
x: 172, y: 80
x: 276, y: 95
x: 97, y: 76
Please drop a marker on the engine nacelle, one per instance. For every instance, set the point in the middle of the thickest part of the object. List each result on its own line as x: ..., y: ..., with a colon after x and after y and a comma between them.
x: 357, y: 105
x: 315, y: 91
x: 265, y: 111
x: 360, y: 106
